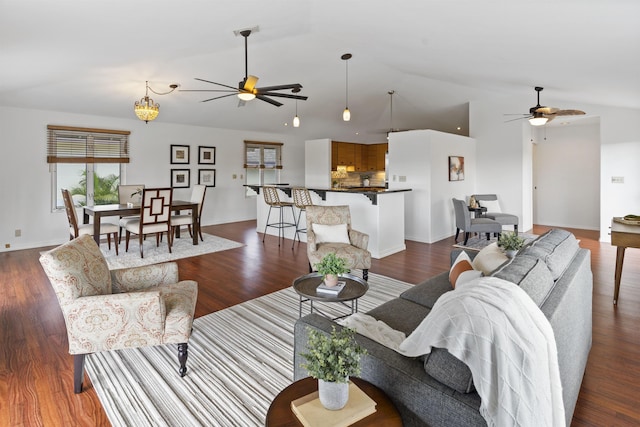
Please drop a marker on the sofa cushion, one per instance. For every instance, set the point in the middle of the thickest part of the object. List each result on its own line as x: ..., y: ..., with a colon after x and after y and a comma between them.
x: 331, y: 233
x: 489, y: 258
x: 427, y: 292
x: 531, y: 274
x: 449, y: 370
x: 556, y: 247
x: 400, y: 314
x: 462, y: 271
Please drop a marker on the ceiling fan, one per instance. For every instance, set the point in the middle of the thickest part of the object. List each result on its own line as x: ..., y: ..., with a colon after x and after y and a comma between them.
x: 247, y: 89
x: 540, y: 115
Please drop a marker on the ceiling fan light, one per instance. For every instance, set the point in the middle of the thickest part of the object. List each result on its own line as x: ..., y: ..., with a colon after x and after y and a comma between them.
x: 246, y: 96
x: 296, y: 121
x: 538, y: 121
x: 346, y: 115
x: 146, y: 109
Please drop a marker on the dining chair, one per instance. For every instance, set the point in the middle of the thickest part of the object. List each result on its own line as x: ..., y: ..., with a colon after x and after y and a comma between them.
x: 77, y: 230
x: 197, y: 196
x: 155, y: 217
x: 124, y: 308
x: 129, y: 193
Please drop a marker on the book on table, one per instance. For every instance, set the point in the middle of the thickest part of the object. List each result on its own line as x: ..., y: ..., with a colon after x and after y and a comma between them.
x: 331, y: 290
x: 311, y: 413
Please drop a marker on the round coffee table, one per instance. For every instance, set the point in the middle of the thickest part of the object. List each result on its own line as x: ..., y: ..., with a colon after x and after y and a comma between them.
x: 306, y: 287
x: 281, y: 415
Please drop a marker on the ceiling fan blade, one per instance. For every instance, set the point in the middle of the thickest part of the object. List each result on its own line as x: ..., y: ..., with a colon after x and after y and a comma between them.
x: 279, y: 87
x: 549, y: 117
x: 250, y: 83
x: 270, y: 101
x: 207, y: 90
x: 547, y: 110
x: 218, y: 97
x: 219, y: 84
x: 285, y: 95
x: 569, y: 113
x: 517, y: 114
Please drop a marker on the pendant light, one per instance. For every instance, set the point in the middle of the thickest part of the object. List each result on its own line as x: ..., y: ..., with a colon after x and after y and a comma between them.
x: 296, y: 119
x: 346, y: 114
x: 146, y: 109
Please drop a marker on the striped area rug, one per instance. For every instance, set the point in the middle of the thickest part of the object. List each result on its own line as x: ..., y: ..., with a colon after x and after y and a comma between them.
x: 240, y: 358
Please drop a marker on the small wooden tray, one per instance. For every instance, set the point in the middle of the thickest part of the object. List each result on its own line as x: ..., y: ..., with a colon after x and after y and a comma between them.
x: 621, y: 220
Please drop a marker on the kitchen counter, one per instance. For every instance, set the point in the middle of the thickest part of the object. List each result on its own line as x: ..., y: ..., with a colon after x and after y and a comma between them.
x: 380, y: 213
x: 370, y: 192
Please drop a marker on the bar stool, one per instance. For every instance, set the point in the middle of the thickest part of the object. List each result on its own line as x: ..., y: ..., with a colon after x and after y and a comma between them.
x: 272, y: 199
x: 301, y: 199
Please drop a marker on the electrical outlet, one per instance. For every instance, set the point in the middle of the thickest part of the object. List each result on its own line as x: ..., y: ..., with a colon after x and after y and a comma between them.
x: 234, y: 176
x: 7, y: 245
x: 18, y: 232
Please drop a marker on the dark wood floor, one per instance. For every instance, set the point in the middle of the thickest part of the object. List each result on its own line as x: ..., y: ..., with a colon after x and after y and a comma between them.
x: 36, y: 369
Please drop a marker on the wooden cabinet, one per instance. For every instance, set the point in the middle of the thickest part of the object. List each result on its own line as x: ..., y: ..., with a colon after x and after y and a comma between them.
x: 358, y: 157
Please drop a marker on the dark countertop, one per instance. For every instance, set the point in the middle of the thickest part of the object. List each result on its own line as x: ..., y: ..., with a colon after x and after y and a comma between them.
x: 371, y: 192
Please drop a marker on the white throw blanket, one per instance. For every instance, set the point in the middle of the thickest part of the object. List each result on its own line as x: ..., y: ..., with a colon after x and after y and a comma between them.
x: 498, y: 331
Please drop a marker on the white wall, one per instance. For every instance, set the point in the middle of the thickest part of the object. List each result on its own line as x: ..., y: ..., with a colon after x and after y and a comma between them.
x: 25, y: 178
x: 619, y: 199
x: 422, y: 158
x: 567, y: 176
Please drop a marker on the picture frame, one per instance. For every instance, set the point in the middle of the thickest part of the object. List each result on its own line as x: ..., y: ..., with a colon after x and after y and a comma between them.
x: 179, y: 154
x: 207, y: 177
x: 180, y: 178
x: 206, y: 155
x: 456, y: 168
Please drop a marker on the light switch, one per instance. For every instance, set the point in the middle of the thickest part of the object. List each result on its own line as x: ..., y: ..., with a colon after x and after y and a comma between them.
x: 617, y: 179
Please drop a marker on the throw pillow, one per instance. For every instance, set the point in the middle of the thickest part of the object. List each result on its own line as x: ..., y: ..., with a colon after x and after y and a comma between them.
x: 331, y: 233
x: 462, y: 271
x: 491, y: 205
x: 489, y: 258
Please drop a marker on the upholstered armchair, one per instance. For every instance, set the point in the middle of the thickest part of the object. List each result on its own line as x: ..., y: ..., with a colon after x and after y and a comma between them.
x: 468, y: 225
x: 111, y: 310
x: 494, y: 212
x: 329, y: 230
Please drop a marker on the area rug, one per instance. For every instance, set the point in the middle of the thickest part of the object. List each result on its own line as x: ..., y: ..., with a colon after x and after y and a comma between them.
x: 240, y: 358
x: 181, y: 248
x: 476, y: 243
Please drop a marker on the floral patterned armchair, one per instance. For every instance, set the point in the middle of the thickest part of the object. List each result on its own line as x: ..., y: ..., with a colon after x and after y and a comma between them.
x: 352, y: 245
x: 110, y: 310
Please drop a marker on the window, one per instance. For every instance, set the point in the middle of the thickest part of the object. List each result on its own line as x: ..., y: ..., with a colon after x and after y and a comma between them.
x: 263, y: 162
x: 87, y: 162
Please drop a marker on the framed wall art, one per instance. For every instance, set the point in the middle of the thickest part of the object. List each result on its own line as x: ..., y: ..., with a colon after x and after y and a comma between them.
x: 179, y: 154
x: 207, y: 177
x: 206, y: 155
x: 180, y: 178
x: 456, y: 168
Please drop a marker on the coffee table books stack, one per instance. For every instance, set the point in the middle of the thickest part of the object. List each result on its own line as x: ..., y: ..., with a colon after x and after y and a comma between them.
x: 331, y: 290
x: 311, y: 413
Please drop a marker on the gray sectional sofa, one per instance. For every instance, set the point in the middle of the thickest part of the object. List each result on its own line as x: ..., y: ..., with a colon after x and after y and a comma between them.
x: 437, y: 389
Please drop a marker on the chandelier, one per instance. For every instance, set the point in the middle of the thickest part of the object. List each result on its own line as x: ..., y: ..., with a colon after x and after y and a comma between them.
x: 146, y: 109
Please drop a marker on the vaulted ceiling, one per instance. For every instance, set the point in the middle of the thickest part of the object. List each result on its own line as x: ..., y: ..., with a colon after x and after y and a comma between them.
x: 93, y: 57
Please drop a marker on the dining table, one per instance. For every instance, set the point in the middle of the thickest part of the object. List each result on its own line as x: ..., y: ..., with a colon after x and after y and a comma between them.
x: 127, y: 209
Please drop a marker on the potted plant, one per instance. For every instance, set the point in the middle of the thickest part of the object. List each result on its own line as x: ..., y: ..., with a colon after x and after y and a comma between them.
x: 510, y: 243
x: 330, y: 267
x: 332, y: 359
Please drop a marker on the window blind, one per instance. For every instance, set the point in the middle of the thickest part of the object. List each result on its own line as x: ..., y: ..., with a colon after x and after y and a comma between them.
x: 67, y: 144
x: 264, y: 155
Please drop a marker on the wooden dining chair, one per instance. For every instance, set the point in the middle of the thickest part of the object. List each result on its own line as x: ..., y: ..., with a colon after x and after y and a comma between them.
x: 155, y: 217
x: 197, y: 196
x: 77, y: 230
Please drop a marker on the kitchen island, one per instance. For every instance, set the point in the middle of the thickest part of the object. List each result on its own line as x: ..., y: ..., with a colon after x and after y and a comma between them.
x: 377, y: 211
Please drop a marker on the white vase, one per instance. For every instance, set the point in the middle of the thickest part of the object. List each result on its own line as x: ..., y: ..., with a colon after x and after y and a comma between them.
x: 365, y: 182
x: 330, y: 280
x: 332, y: 395
x: 510, y: 253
